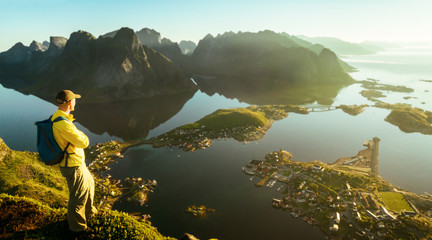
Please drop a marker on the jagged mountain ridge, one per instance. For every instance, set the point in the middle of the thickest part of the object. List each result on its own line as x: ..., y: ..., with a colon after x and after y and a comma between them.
x: 130, y: 67
x: 153, y: 39
x: 106, y: 69
x: 119, y: 67
x: 265, y: 55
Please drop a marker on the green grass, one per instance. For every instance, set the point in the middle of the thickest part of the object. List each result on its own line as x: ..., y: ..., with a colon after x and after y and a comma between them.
x: 24, y: 174
x: 25, y: 218
x: 395, y: 201
x: 229, y: 118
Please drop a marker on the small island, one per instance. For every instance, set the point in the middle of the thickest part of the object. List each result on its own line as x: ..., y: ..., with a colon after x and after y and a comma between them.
x: 410, y: 119
x: 371, y: 95
x: 199, y: 211
x: 373, y: 84
x: 353, y: 110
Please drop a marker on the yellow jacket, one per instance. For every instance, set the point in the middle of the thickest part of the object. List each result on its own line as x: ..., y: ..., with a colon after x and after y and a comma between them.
x: 64, y: 132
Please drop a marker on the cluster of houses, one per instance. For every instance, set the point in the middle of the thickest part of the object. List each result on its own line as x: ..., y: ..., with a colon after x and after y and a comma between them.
x: 277, y: 112
x: 103, y: 155
x: 201, y: 138
x: 307, y: 195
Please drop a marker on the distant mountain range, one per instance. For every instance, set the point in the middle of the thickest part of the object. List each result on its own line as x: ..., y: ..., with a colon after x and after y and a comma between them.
x: 124, y: 64
x: 341, y: 47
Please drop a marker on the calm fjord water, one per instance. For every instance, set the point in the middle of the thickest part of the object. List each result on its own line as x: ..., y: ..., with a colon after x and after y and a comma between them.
x: 213, y: 176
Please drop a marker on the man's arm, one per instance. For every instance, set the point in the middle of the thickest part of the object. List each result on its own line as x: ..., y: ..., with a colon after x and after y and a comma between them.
x: 73, y: 135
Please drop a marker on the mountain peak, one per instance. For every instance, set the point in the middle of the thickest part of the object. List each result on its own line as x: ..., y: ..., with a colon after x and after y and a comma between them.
x: 37, y: 46
x: 149, y: 37
x: 126, y: 37
x: 208, y: 37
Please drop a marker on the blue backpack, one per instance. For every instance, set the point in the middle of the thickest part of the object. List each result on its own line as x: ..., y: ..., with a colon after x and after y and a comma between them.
x: 49, y: 150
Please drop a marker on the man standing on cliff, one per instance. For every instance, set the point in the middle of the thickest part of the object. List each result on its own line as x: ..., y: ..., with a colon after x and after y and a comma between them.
x: 79, y: 180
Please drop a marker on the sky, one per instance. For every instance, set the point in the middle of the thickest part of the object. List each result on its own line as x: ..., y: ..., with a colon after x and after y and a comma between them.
x: 350, y: 20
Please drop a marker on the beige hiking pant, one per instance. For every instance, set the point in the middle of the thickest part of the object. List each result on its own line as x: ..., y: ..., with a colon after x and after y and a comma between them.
x: 81, y: 194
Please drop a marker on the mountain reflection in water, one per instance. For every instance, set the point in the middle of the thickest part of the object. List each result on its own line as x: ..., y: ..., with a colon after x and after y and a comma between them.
x: 131, y: 119
x: 261, y: 92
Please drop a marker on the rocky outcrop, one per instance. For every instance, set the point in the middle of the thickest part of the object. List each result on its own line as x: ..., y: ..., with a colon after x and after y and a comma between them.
x: 56, y: 45
x: 4, y: 150
x: 46, y: 44
x: 187, y: 47
x: 108, y: 69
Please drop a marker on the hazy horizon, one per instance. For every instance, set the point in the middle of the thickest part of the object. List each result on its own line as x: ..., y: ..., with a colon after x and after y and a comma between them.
x: 399, y: 20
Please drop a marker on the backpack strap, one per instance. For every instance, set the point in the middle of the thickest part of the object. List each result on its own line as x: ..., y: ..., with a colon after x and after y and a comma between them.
x: 60, y: 118
x: 67, y: 154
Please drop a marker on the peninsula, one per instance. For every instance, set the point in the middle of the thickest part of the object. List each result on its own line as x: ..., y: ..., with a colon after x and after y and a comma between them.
x: 242, y: 124
x: 347, y: 199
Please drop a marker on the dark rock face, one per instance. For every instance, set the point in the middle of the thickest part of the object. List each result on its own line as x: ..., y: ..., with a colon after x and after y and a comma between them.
x: 187, y: 47
x: 265, y: 56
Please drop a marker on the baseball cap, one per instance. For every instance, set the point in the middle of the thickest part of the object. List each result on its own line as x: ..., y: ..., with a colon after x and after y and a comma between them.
x: 65, y: 96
